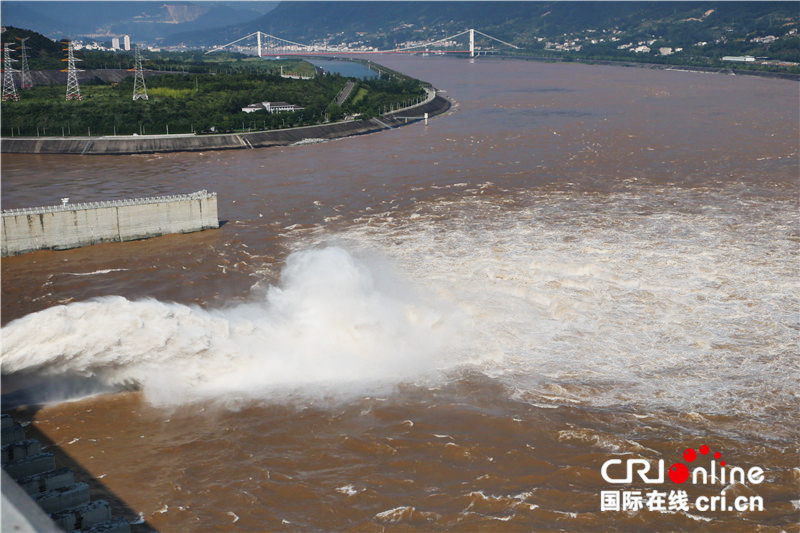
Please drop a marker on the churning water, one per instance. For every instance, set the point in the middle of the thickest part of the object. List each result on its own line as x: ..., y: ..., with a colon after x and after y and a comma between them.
x: 451, y: 327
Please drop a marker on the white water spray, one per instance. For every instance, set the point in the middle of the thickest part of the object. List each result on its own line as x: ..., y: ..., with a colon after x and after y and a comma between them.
x: 337, y: 324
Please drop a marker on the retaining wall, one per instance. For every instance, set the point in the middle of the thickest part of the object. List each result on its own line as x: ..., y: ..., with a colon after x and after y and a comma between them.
x: 73, y: 225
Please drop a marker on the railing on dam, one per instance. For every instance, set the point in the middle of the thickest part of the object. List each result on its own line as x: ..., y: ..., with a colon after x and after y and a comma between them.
x: 199, y: 195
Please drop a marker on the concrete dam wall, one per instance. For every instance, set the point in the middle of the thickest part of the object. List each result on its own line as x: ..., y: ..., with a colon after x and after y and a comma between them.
x: 72, y: 225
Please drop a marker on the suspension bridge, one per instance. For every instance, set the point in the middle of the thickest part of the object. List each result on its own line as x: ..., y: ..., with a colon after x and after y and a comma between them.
x: 471, y: 41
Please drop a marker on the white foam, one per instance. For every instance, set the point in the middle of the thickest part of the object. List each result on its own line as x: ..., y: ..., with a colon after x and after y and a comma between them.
x: 664, y: 298
x: 395, y: 514
x: 337, y: 323
x: 698, y: 518
x: 348, y: 490
x: 657, y: 298
x: 104, y: 271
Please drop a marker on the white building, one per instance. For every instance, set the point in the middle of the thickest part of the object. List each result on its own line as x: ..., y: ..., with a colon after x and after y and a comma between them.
x: 739, y: 59
x: 766, y: 40
x: 272, y: 107
x: 277, y: 107
x: 115, y: 43
x: 127, y: 41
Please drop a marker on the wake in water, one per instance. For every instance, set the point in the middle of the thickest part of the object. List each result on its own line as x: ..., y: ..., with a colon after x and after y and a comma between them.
x: 667, y: 299
x: 339, y: 323
x: 678, y: 301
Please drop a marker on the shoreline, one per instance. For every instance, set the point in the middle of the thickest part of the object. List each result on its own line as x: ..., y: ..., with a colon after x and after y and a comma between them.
x: 147, y: 144
x: 731, y: 71
x: 186, y: 142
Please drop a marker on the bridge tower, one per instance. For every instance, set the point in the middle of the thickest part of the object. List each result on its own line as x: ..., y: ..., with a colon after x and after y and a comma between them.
x: 259, y: 44
x: 472, y: 42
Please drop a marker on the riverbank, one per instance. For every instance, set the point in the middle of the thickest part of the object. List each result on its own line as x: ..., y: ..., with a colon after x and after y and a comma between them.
x: 145, y: 144
x: 732, y: 70
x: 547, y: 248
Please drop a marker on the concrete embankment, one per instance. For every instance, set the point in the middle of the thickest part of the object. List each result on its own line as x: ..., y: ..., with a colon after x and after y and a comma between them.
x: 73, y: 225
x: 434, y: 105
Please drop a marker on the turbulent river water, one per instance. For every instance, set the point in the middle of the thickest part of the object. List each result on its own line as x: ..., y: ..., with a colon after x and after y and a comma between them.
x: 451, y: 327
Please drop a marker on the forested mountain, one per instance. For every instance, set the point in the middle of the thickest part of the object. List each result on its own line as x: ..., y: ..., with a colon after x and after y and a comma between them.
x: 693, y: 32
x: 145, y: 21
x: 728, y: 27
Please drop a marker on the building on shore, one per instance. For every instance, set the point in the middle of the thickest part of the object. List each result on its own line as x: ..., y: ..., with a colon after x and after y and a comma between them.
x: 739, y: 59
x: 272, y: 107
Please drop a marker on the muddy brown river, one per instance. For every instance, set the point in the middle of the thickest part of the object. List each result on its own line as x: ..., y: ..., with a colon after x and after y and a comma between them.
x: 478, y: 325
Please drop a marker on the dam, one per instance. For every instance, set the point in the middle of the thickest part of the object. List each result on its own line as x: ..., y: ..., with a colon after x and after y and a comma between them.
x: 72, y: 225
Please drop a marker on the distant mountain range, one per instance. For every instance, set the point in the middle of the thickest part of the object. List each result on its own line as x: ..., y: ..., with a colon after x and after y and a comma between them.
x: 522, y: 23
x: 145, y: 22
x: 589, y: 29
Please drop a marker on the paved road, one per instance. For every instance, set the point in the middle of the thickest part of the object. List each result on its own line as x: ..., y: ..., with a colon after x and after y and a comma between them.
x: 345, y: 92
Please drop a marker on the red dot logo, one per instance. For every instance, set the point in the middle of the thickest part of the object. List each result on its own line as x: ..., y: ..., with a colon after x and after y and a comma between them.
x: 679, y: 473
x: 704, y: 449
x: 717, y: 455
x: 689, y: 455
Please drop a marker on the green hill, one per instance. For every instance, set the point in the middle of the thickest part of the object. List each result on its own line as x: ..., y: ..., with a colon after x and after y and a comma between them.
x: 43, y: 53
x: 727, y: 28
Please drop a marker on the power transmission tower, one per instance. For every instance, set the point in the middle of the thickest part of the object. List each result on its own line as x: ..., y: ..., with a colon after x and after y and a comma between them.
x: 73, y: 89
x: 139, y: 88
x: 9, y: 88
x: 25, y: 81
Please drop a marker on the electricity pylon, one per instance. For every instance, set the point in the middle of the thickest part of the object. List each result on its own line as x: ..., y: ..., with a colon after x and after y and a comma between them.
x: 73, y: 89
x: 25, y: 81
x: 9, y: 88
x: 139, y: 88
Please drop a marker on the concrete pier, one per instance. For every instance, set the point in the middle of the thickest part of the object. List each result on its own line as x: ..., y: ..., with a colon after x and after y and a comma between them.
x: 72, y: 225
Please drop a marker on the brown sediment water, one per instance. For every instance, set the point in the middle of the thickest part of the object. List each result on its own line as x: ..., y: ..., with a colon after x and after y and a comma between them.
x: 442, y: 327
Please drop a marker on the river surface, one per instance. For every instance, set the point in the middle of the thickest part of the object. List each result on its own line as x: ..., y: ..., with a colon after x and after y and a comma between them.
x: 449, y: 327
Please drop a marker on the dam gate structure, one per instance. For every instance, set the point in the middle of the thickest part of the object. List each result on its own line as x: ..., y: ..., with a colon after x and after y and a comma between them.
x: 72, y: 225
